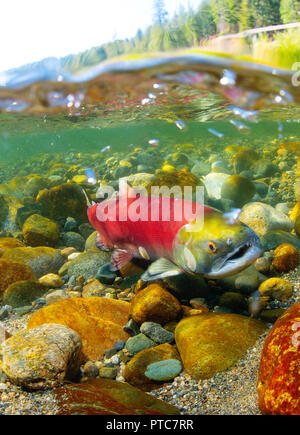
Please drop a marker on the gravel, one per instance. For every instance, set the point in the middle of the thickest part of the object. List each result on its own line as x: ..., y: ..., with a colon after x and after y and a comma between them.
x: 232, y: 392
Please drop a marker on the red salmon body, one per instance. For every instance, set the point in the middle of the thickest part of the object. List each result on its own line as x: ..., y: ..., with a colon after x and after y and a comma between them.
x: 150, y: 223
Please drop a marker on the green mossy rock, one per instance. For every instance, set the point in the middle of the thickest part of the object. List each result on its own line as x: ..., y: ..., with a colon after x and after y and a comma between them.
x: 65, y: 200
x: 238, y: 189
x: 41, y: 260
x: 212, y: 342
x: 40, y: 231
x: 22, y: 293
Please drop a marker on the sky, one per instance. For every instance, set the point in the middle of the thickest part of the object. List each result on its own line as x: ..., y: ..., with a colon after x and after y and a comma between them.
x: 32, y: 30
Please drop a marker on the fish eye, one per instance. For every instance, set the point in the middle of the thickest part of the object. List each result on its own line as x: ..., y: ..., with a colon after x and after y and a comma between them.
x: 212, y: 247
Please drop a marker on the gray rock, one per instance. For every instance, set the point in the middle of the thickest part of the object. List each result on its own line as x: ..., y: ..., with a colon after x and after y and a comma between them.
x: 163, y: 370
x: 4, y: 313
x: 42, y: 357
x: 56, y: 296
x: 263, y: 218
x: 132, y: 328
x: 73, y: 239
x: 139, y: 342
x: 86, y: 264
x: 272, y: 239
x: 157, y: 333
x: 108, y: 372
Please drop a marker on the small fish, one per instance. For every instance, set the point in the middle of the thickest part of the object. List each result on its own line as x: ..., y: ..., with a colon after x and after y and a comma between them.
x: 214, y: 247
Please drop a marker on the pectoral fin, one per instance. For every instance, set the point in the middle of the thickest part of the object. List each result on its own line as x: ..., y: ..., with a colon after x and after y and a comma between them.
x: 161, y: 268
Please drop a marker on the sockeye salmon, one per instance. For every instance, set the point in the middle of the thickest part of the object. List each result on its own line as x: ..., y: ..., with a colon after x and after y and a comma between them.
x: 172, y: 236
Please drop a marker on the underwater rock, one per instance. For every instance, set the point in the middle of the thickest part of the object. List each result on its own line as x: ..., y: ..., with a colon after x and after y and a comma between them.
x: 297, y: 190
x: 90, y: 242
x: 238, y: 189
x: 141, y: 179
x: 109, y: 397
x: 108, y: 372
x: 63, y: 201
x: 156, y: 332
x: 262, y: 265
x: 272, y: 239
x: 3, y: 209
x: 297, y: 226
x: 261, y: 188
x: 264, y: 169
x: 51, y: 280
x: 245, y: 158
x: 200, y: 169
x: 213, y: 183
x: 22, y: 293
x: 245, y: 281
x: 213, y: 342
x: 40, y: 231
x: 105, y: 275
x: 85, y: 230
x: 56, y: 296
x: 295, y: 213
x: 278, y: 379
x: 86, y: 264
x: 75, y: 240
x: 163, y: 370
x: 98, y: 321
x: 21, y: 187
x: 9, y: 243
x: 263, y: 218
x: 42, y: 357
x: 276, y: 288
x: 136, y: 367
x: 11, y: 272
x: 286, y: 258
x: 138, y: 343
x: 41, y: 260
x: 93, y: 288
x: 234, y: 301
x: 154, y: 304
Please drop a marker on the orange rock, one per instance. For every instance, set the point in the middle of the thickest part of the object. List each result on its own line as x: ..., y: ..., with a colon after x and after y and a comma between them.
x: 189, y: 311
x: 279, y: 373
x: 9, y: 243
x: 154, y: 304
x: 98, y: 321
x: 11, y: 272
x: 286, y: 257
x: 135, y: 369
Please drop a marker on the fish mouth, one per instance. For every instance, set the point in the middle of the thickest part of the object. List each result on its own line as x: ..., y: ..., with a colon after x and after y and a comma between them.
x: 236, y: 260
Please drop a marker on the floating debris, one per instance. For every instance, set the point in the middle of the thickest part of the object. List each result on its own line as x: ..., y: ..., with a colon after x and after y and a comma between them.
x: 91, y: 176
x: 180, y: 124
x: 240, y: 126
x: 154, y: 142
x: 215, y: 133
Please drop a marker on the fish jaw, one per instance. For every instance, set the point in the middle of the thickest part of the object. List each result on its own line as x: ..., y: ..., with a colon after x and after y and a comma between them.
x: 238, y: 260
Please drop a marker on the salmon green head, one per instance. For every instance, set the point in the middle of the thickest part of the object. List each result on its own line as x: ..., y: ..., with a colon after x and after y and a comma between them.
x: 216, y: 247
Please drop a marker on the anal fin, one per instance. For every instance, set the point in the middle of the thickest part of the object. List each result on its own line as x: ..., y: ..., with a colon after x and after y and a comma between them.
x: 161, y: 268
